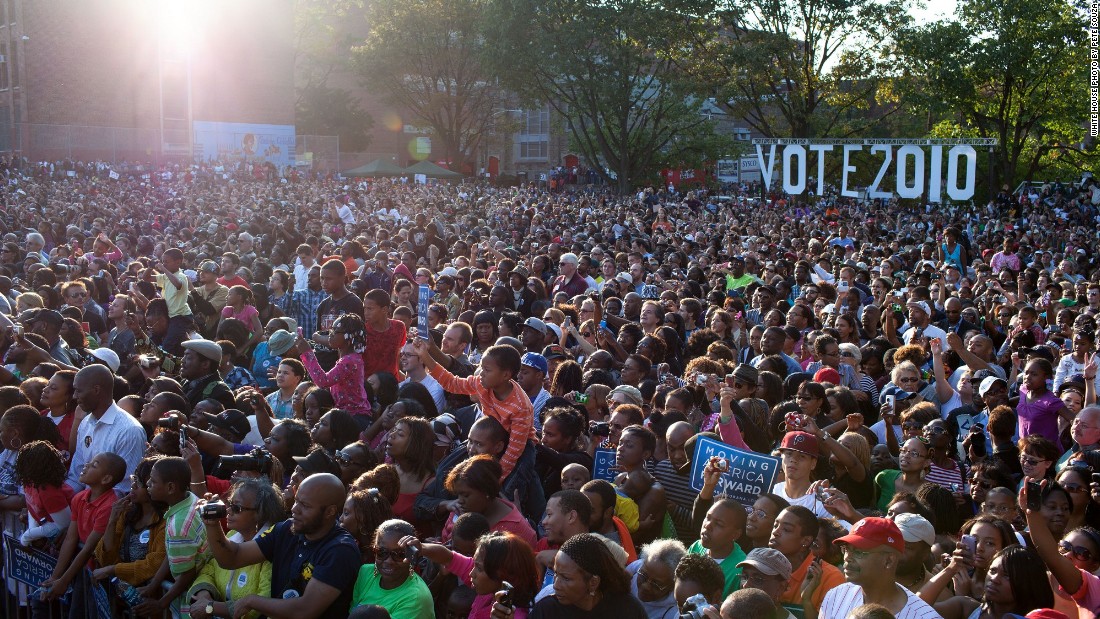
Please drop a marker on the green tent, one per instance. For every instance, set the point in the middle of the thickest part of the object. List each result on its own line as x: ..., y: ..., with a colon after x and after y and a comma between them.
x: 431, y: 170
x: 378, y: 167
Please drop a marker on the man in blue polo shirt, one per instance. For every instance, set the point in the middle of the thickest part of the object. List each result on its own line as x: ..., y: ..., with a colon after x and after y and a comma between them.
x: 309, y: 554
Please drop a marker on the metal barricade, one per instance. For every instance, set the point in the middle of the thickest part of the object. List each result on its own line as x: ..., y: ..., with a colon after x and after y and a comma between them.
x: 17, y: 594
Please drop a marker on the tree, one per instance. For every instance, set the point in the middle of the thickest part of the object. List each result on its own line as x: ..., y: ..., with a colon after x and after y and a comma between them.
x: 425, y: 56
x: 323, y: 110
x: 627, y: 110
x: 321, y: 51
x: 1015, y: 70
x: 795, y: 68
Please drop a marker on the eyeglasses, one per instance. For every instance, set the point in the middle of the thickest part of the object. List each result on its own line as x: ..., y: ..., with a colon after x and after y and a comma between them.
x: 1074, y: 488
x: 343, y: 459
x: 848, y: 355
x: 998, y: 510
x: 912, y: 453
x: 381, y: 554
x: 643, y: 578
x: 912, y: 379
x: 935, y: 430
x: 586, y: 334
x: 237, y: 508
x: 1029, y: 461
x: 854, y: 553
x: 981, y: 484
x: 1078, y: 552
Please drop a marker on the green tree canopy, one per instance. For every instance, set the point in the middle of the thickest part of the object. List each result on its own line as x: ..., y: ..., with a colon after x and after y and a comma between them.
x: 628, y: 109
x: 1015, y: 70
x: 425, y: 56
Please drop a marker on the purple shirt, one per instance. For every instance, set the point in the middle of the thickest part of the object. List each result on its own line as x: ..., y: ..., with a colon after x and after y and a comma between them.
x: 1039, y: 415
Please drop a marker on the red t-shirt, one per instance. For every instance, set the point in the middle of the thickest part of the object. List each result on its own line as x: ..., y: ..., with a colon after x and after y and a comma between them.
x: 229, y: 282
x: 64, y: 427
x: 41, y: 502
x: 383, y: 349
x: 92, y: 516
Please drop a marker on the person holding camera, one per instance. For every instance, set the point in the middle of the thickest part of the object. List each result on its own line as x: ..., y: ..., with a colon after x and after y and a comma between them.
x: 254, y: 505
x: 309, y: 553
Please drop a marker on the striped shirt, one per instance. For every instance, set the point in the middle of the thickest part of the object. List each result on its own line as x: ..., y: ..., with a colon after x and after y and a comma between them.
x: 185, y: 536
x: 681, y: 499
x: 840, y: 601
x: 516, y: 413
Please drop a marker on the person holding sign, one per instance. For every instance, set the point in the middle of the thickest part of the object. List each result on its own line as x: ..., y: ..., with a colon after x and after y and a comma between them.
x: 723, y: 523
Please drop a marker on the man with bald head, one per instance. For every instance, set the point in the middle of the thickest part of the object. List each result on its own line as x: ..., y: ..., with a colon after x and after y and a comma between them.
x: 675, y: 476
x: 954, y: 321
x: 309, y: 552
x: 107, y: 428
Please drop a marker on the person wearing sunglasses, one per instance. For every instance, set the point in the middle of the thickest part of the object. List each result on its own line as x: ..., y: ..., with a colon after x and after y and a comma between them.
x: 1065, y: 556
x: 943, y: 468
x: 253, y: 506
x: 309, y: 554
x: 1037, y: 456
x: 1075, y: 480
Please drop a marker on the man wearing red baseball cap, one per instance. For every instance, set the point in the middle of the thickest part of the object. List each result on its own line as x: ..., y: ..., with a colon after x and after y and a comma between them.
x: 872, y: 550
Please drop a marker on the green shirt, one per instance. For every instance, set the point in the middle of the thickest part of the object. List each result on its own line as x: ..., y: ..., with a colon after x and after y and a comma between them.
x: 410, y: 600
x: 728, y: 565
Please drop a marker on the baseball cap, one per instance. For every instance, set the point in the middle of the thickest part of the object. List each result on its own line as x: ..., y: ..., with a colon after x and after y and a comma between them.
x: 536, y: 361
x: 916, y: 528
x: 231, y: 420
x: 631, y: 393
x: 921, y: 305
x: 827, y: 375
x: 318, y: 461
x: 987, y: 384
x: 554, y: 351
x: 897, y: 392
x: 535, y: 324
x: 802, y: 442
x: 769, y: 561
x: 209, y: 266
x: 874, y: 532
x: 108, y: 357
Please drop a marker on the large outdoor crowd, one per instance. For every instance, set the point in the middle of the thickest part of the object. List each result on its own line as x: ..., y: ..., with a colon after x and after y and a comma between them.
x: 223, y: 396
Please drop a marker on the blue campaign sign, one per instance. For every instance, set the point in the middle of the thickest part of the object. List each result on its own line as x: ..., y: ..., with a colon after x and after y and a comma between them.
x: 27, y: 565
x: 750, y: 474
x: 604, y: 460
x: 422, y: 303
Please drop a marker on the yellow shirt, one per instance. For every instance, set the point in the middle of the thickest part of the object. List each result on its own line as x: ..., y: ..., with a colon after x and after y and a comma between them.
x: 176, y: 298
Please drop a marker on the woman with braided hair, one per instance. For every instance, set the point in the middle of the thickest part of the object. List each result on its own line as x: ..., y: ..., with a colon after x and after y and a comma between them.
x: 588, y: 582
x: 363, y: 511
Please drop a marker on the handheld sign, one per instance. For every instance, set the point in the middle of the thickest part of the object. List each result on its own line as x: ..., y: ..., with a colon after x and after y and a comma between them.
x: 25, y: 564
x: 749, y: 474
x: 422, y: 311
x: 603, y: 461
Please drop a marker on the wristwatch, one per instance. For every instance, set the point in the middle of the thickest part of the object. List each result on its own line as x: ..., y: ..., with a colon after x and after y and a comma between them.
x: 209, y: 610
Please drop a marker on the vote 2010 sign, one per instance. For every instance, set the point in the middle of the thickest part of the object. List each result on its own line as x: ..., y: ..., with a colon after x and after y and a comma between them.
x: 914, y: 173
x: 25, y: 564
x: 749, y: 475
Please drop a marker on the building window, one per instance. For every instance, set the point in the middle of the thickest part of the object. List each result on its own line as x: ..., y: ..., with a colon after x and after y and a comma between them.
x: 537, y: 122
x: 534, y: 150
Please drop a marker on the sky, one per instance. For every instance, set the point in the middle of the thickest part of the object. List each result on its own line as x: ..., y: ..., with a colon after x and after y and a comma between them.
x: 934, y: 10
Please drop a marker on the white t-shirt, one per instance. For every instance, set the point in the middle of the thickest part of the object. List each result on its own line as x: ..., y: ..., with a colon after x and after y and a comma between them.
x: 841, y: 600
x: 879, y: 428
x: 930, y: 332
x: 434, y: 388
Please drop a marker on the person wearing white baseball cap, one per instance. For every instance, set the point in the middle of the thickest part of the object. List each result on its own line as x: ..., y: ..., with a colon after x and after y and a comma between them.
x: 920, y: 324
x: 919, y: 536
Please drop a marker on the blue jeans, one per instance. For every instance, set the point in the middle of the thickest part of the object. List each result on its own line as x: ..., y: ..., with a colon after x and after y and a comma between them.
x: 177, y: 333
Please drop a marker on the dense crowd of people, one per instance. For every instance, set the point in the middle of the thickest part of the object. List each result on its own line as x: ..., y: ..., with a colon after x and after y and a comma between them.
x: 223, y: 395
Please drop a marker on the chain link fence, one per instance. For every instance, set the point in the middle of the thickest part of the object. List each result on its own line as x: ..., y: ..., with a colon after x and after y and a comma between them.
x: 52, y: 142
